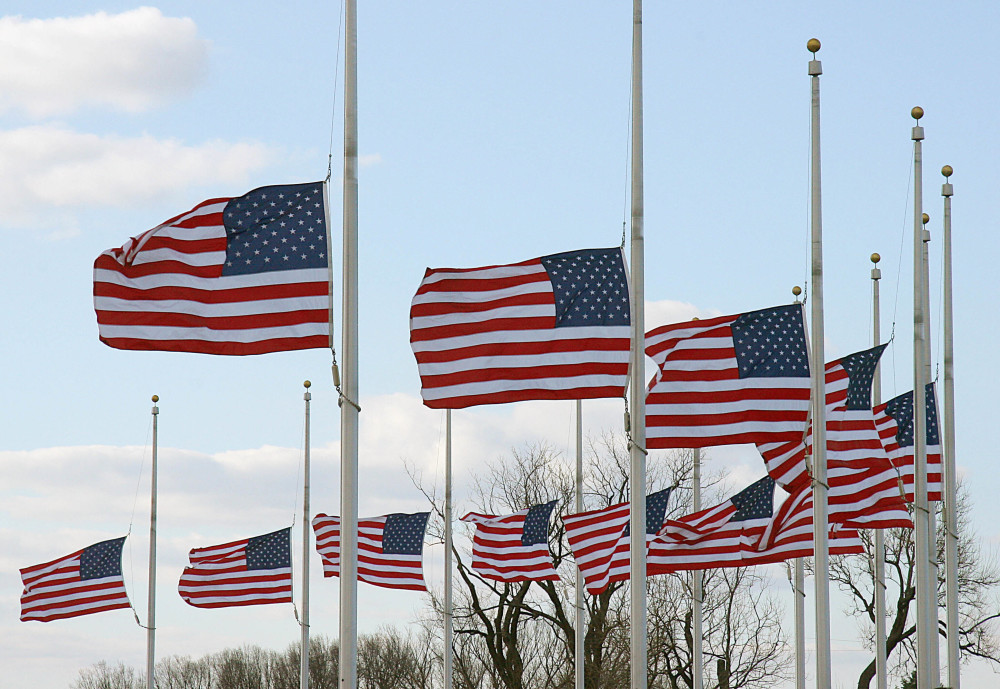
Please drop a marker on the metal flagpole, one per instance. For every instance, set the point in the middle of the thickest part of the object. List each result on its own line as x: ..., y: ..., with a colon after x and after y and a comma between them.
x: 349, y: 400
x: 151, y: 600
x: 932, y: 560
x: 950, y: 469
x: 881, y: 676
x: 799, y: 591
x: 580, y: 622
x: 820, y: 533
x: 921, y: 514
x: 800, y: 624
x: 637, y: 425
x: 304, y: 620
x: 448, y: 620
x: 697, y: 651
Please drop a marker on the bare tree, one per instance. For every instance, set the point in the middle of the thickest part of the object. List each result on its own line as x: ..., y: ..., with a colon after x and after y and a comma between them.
x: 522, y: 635
x: 978, y: 582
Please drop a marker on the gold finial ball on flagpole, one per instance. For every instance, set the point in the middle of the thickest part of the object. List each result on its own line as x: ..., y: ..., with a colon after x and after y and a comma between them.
x: 917, y: 113
x: 947, y: 171
x: 925, y: 218
x: 876, y: 258
x: 796, y: 290
x: 812, y: 45
x: 156, y: 398
x: 307, y: 384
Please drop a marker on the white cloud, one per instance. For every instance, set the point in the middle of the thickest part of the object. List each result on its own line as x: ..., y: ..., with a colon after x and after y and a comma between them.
x: 665, y: 312
x: 49, y: 171
x: 131, y: 61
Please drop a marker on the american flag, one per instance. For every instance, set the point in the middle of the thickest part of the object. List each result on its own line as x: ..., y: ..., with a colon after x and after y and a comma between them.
x: 728, y: 380
x: 246, y: 275
x: 252, y: 571
x: 600, y: 539
x: 863, y: 484
x: 894, y: 421
x: 84, y: 582
x: 390, y: 549
x: 513, y: 547
x: 790, y: 533
x: 555, y: 327
x: 718, y: 536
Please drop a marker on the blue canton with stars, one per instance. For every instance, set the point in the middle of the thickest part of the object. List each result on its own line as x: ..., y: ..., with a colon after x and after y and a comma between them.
x: 536, y: 524
x: 901, y: 410
x: 589, y: 287
x: 270, y: 551
x: 404, y: 533
x: 656, y: 511
x: 276, y: 228
x: 102, y: 559
x: 771, y: 343
x: 860, y: 369
x: 755, y: 502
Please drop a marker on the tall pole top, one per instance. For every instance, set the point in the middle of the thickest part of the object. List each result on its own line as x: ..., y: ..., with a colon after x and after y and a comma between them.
x: 307, y: 395
x: 815, y: 66
x: 796, y: 291
x: 918, y: 131
x: 946, y: 188
x: 925, y: 218
x: 876, y: 272
x: 155, y: 398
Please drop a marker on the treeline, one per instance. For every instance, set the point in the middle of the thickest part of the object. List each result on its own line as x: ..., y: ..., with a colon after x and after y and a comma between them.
x: 386, y: 660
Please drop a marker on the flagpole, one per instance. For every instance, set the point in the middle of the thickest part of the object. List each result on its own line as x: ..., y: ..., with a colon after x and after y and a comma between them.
x: 697, y: 650
x: 921, y: 514
x: 800, y: 624
x: 820, y: 533
x: 349, y: 401
x: 304, y: 621
x: 932, y: 561
x: 881, y: 676
x: 950, y: 468
x: 151, y: 600
x: 580, y: 630
x: 799, y: 591
x: 448, y: 619
x: 637, y: 426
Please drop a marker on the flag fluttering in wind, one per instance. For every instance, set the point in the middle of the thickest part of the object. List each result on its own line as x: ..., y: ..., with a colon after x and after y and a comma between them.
x: 513, y: 547
x: 600, y: 539
x: 790, y: 533
x: 244, y: 275
x: 251, y: 571
x: 718, y: 536
x: 390, y: 549
x: 84, y: 582
x: 745, y: 530
x: 863, y: 483
x: 554, y: 327
x: 894, y: 421
x: 728, y: 380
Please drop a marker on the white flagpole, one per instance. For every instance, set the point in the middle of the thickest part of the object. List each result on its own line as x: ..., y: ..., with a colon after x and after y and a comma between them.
x: 799, y: 591
x: 932, y: 560
x: 637, y: 426
x: 820, y: 526
x: 921, y: 514
x: 151, y: 600
x: 349, y: 401
x: 449, y: 631
x: 950, y: 475
x: 304, y: 619
x: 697, y: 632
x: 580, y: 622
x: 881, y: 676
x: 800, y: 624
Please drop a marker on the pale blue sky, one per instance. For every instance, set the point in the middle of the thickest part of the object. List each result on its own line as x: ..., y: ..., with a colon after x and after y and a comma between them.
x: 489, y: 133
